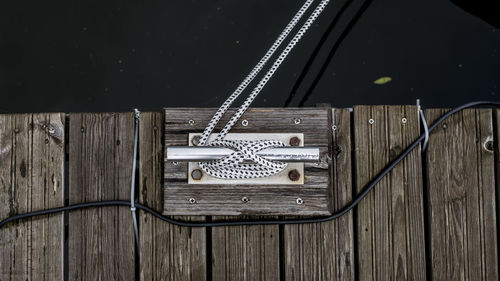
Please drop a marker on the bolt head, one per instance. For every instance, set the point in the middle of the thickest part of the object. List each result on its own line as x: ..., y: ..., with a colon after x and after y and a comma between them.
x: 196, y: 174
x: 294, y: 141
x: 294, y: 175
x: 195, y: 140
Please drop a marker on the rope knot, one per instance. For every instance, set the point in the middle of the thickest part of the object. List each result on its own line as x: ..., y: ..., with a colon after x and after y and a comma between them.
x: 234, y: 166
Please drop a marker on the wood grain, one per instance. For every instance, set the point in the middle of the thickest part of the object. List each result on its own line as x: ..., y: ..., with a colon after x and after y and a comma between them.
x: 100, y: 240
x: 31, y: 178
x: 168, y: 252
x: 245, y: 252
x: 390, y: 223
x: 325, y: 251
x: 460, y: 168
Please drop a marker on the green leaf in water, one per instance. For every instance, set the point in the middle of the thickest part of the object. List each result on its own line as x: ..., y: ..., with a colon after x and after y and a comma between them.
x: 382, y: 80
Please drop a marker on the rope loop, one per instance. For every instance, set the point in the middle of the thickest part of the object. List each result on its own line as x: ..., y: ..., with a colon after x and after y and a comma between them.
x: 233, y: 166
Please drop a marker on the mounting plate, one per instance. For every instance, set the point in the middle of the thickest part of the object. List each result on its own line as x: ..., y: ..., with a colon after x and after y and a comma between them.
x: 313, y: 197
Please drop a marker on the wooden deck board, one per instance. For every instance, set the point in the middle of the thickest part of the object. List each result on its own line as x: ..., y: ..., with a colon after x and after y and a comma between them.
x: 462, y: 197
x: 31, y: 178
x: 325, y: 251
x: 390, y: 229
x: 245, y: 252
x: 168, y: 252
x: 100, y: 241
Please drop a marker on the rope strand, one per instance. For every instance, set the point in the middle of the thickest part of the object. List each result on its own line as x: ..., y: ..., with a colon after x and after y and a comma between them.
x: 231, y: 167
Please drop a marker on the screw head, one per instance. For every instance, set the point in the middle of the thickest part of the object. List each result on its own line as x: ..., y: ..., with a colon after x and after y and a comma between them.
x: 297, y: 121
x: 294, y: 141
x: 371, y: 121
x: 175, y: 163
x: 334, y: 127
x: 404, y: 120
x: 192, y: 200
x: 244, y: 123
x: 294, y: 175
x: 196, y: 174
x: 299, y: 201
x: 191, y: 122
x: 245, y: 199
x: 195, y: 140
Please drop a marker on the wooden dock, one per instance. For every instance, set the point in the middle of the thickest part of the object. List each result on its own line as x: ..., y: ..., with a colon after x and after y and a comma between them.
x: 434, y: 217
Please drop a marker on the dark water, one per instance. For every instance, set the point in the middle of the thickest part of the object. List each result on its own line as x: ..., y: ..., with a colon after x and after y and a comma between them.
x: 116, y: 55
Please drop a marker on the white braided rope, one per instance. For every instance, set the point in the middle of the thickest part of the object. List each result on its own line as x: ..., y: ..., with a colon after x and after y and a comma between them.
x: 232, y: 167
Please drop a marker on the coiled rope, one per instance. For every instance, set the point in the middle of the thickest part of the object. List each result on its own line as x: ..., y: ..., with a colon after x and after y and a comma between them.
x: 232, y: 166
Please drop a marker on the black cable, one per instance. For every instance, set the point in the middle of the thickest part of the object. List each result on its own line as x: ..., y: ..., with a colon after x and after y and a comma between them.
x: 338, y: 214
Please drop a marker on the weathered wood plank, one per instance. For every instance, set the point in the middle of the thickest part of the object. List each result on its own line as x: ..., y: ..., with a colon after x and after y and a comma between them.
x: 31, y: 178
x: 100, y: 241
x: 245, y: 252
x: 168, y: 252
x: 390, y: 219
x: 226, y: 200
x: 265, y: 199
x: 325, y: 251
x: 460, y: 165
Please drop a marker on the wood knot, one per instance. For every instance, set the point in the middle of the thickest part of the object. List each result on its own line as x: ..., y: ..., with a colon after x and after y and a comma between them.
x: 337, y: 150
x: 394, y: 151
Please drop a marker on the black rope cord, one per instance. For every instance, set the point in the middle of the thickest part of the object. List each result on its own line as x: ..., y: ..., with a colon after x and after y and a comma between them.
x: 338, y: 214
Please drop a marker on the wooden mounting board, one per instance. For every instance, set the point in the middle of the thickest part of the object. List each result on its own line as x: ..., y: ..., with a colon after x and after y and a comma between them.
x: 315, y: 124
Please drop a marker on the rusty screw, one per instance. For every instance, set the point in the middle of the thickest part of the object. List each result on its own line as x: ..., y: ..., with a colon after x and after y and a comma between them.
x: 195, y: 140
x: 294, y: 141
x: 294, y: 175
x: 196, y: 174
